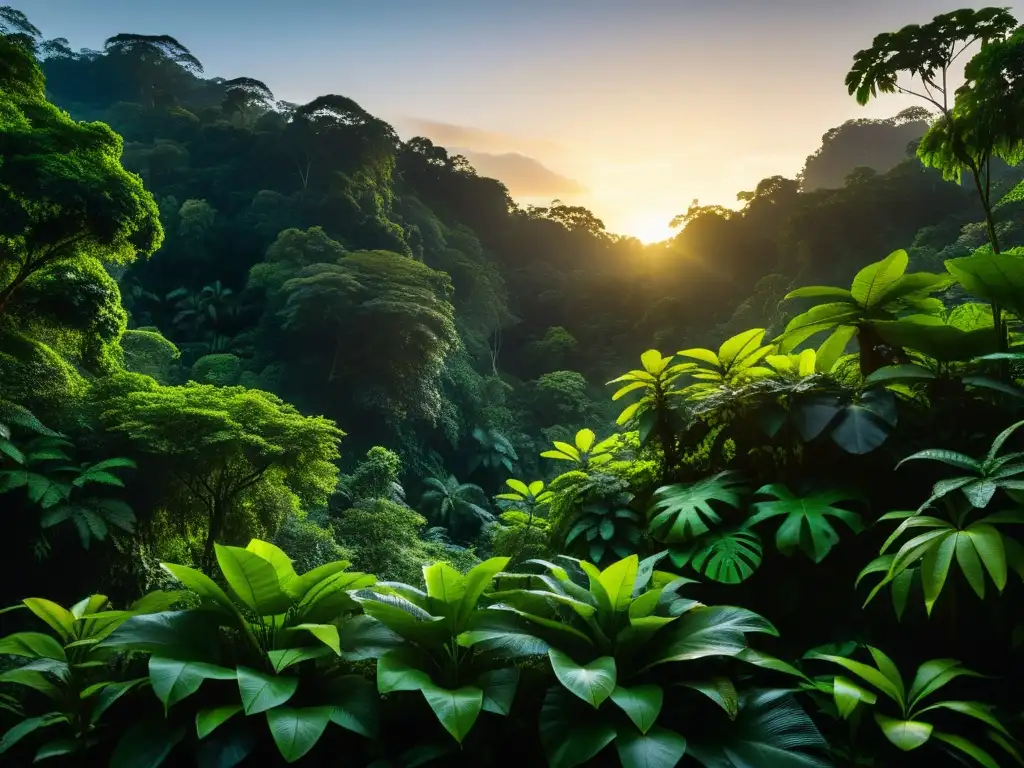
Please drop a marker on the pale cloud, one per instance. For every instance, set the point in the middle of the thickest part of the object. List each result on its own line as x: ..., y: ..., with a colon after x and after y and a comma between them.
x: 476, y: 139
x: 524, y: 176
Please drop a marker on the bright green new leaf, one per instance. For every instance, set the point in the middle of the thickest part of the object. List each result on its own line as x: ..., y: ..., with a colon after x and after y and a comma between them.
x: 202, y: 585
x: 286, y: 576
x: 33, y: 645
x: 905, y: 734
x: 325, y: 633
x: 848, y: 695
x: 253, y: 580
x: 593, y: 682
x: 59, y: 618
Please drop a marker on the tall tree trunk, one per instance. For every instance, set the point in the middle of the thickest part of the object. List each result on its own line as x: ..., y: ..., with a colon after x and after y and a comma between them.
x: 984, y: 195
x: 217, y: 515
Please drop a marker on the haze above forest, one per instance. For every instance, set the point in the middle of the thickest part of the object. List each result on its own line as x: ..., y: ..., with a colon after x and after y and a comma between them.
x: 630, y: 109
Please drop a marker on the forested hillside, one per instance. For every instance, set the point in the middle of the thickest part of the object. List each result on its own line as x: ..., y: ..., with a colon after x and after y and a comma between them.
x: 304, y: 421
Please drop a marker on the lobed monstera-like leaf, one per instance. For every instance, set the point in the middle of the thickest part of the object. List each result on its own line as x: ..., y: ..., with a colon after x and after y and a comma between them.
x: 806, y: 526
x: 682, y: 512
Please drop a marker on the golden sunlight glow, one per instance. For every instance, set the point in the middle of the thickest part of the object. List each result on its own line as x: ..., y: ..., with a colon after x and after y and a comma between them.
x: 648, y: 227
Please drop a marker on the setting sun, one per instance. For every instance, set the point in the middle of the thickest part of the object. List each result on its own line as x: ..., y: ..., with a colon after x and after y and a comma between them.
x: 649, y: 227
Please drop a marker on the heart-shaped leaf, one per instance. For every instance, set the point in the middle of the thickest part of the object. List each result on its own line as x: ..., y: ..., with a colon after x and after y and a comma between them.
x: 593, y: 683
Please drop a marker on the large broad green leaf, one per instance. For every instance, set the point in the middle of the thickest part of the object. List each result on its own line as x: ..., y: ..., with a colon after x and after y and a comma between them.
x: 820, y: 292
x: 325, y: 633
x: 994, y: 277
x: 593, y: 682
x: 154, y: 602
x: 738, y: 349
x: 658, y: 748
x: 708, y: 631
x: 873, y: 281
x: 569, y: 737
x: 445, y: 585
x: 771, y: 731
x: 328, y: 598
x: 190, y: 635
x: 56, y: 748
x: 704, y: 355
x: 28, y: 726
x: 355, y: 704
x: 618, y: 580
x: 806, y: 525
x: 641, y: 703
x: 824, y: 317
x: 865, y: 672
x: 401, y: 670
x: 477, y: 580
x: 905, y: 734
x: 296, y: 731
x: 362, y: 637
x: 260, y: 691
x: 318, y: 574
x: 288, y: 657
x: 405, y: 618
x: 811, y: 415
x: 864, y: 425
x: 499, y: 688
x: 933, y: 675
x: 59, y: 618
x: 202, y: 585
x: 900, y: 373
x: 286, y: 576
x: 973, y: 709
x: 767, y: 661
x: 108, y: 694
x: 510, y: 633
x: 848, y: 695
x: 32, y: 645
x: 720, y: 690
x: 34, y: 679
x: 456, y: 710
x: 174, y: 680
x: 207, y: 720
x: 931, y: 336
x: 973, y: 750
x: 253, y: 580
x: 728, y: 557
x: 682, y: 512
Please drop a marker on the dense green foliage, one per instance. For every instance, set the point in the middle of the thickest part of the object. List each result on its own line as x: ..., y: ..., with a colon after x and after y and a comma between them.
x: 789, y: 536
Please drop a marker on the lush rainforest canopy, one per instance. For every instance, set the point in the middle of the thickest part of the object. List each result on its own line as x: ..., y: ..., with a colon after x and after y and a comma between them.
x: 316, y: 448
